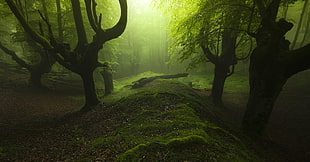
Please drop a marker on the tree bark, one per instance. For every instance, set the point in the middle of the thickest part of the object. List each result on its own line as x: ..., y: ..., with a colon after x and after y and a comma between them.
x: 79, y: 24
x: 59, y: 21
x: 220, y: 75
x: 35, y: 79
x: 266, y: 81
x: 108, y: 80
x: 222, y: 64
x: 272, y: 63
x: 91, y: 99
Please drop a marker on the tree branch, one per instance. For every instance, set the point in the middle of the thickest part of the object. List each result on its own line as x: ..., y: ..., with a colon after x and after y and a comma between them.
x: 90, y: 14
x: 94, y: 4
x: 119, y: 28
x: 208, y: 54
x: 59, y: 21
x: 15, y: 57
x: 49, y: 27
x: 261, y: 7
x: 80, y: 29
x: 298, y: 60
x: 269, y: 14
x: 34, y: 35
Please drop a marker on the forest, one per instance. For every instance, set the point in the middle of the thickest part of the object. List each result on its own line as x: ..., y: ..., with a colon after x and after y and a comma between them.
x: 155, y: 80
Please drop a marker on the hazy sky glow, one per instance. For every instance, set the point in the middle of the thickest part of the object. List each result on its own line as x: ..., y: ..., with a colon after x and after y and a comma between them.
x: 143, y: 2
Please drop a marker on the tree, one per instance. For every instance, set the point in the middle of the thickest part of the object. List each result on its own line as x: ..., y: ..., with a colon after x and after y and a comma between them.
x: 216, y: 27
x: 83, y: 59
x: 271, y: 65
x: 40, y: 61
x: 37, y: 69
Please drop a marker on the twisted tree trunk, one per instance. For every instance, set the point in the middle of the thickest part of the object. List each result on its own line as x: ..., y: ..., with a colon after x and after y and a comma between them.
x: 272, y: 64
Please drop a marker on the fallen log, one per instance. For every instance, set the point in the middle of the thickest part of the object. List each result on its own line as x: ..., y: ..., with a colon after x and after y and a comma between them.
x: 141, y: 82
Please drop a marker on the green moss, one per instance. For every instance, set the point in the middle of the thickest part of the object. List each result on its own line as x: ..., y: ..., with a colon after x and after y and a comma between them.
x: 156, y: 150
x: 131, y: 154
x: 85, y: 160
x: 166, y: 121
x: 2, y: 152
x: 187, y: 141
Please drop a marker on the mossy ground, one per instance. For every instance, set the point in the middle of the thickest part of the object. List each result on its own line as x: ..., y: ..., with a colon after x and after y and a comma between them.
x: 164, y: 121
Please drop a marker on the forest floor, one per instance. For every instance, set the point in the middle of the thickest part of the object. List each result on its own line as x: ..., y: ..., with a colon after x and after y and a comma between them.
x: 29, y: 118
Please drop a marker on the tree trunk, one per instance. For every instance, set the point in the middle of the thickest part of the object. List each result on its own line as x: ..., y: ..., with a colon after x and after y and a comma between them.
x: 91, y: 99
x: 224, y: 61
x: 220, y: 75
x: 59, y: 21
x: 272, y: 63
x: 266, y: 83
x: 108, y: 81
x: 35, y: 79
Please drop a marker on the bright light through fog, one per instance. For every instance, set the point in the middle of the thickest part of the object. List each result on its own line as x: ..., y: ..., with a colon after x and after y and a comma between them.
x: 143, y: 2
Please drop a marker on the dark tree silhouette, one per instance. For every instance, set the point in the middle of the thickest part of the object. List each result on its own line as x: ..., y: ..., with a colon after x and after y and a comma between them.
x: 83, y: 59
x: 36, y: 70
x: 45, y: 61
x: 272, y: 64
x: 222, y: 64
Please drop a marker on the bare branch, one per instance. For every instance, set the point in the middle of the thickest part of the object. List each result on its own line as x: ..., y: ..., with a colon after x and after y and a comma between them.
x: 59, y: 21
x: 49, y: 27
x: 119, y: 28
x: 232, y: 71
x: 209, y: 54
x: 80, y: 29
x: 270, y: 13
x: 94, y: 5
x: 90, y: 14
x: 34, y: 35
x: 250, y: 21
x: 298, y: 60
x: 15, y: 57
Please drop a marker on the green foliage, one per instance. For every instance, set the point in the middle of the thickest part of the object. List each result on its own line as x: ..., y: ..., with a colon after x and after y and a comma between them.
x: 202, y: 22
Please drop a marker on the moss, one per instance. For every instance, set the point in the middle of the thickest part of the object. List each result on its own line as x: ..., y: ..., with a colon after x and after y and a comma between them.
x: 163, y: 121
x: 187, y: 141
x: 2, y: 153
x: 156, y: 150
x: 131, y: 154
x: 85, y: 160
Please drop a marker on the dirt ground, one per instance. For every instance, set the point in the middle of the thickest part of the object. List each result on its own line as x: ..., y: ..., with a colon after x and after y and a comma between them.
x: 20, y: 103
x: 289, y: 124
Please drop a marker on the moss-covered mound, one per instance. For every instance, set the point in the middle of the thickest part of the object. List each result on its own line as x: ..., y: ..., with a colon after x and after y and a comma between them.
x: 168, y: 121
